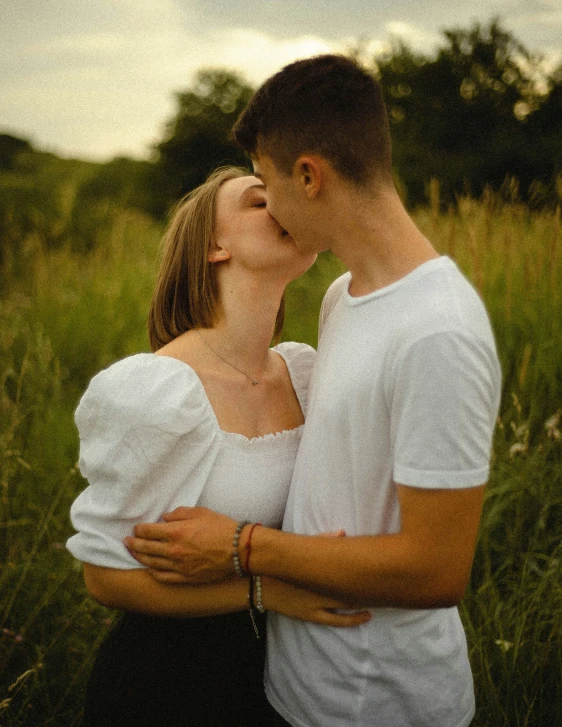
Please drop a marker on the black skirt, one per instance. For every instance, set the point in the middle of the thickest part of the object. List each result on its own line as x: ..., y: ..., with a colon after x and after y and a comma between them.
x: 198, y: 672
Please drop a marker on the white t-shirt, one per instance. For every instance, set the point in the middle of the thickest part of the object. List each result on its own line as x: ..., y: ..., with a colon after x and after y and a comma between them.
x: 150, y: 442
x: 405, y: 389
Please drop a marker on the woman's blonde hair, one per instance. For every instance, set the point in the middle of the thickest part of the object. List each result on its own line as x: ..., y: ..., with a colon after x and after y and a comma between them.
x: 186, y: 295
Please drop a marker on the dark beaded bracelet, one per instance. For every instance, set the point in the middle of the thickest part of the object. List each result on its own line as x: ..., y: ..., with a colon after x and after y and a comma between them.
x: 251, y: 607
x: 235, y: 556
x: 259, y: 602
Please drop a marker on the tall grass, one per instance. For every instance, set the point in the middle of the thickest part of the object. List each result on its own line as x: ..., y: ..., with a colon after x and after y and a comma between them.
x: 513, y: 607
x: 68, y: 315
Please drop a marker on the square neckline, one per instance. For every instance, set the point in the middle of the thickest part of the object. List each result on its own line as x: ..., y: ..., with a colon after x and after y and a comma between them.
x: 238, y: 436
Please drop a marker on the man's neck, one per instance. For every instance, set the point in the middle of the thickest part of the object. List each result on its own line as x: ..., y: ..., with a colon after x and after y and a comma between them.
x: 379, y: 243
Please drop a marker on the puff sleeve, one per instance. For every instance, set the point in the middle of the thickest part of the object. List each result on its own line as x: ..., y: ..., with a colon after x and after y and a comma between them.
x: 299, y: 358
x: 148, y: 440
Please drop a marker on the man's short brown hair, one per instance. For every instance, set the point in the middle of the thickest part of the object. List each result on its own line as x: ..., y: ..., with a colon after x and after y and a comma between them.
x: 328, y: 105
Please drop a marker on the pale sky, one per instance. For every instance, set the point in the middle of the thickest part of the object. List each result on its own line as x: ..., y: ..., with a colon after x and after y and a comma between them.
x: 96, y: 78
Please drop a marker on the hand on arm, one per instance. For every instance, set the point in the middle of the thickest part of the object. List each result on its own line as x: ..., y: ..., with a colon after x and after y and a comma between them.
x: 192, y: 545
x: 425, y: 565
x: 136, y: 590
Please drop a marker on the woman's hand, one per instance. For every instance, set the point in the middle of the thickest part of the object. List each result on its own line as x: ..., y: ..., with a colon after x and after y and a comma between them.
x: 304, y: 605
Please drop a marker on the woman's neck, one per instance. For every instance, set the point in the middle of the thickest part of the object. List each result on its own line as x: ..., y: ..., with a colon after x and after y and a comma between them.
x: 245, y: 326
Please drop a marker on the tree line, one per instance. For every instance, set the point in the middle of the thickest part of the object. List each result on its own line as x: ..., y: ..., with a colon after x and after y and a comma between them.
x: 482, y: 111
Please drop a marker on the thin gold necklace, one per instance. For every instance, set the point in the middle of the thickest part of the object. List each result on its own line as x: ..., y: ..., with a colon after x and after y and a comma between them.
x: 255, y: 382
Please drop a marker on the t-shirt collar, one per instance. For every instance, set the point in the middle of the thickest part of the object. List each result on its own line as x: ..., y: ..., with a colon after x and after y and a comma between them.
x: 429, y: 266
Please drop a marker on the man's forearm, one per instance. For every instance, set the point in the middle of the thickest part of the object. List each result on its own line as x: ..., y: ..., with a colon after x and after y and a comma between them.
x: 426, y: 565
x: 384, y: 570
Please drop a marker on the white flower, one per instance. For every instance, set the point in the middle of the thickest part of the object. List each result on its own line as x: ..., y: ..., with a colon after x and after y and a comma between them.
x: 505, y: 646
x: 517, y: 448
x: 551, y: 425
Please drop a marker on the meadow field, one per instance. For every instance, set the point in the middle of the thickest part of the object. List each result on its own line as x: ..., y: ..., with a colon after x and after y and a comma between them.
x: 66, y: 314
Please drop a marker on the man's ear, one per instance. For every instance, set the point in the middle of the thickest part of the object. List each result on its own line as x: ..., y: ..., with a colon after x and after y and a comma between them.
x: 309, y: 172
x: 218, y: 255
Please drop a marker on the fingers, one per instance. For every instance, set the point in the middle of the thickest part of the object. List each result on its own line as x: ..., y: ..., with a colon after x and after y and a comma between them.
x: 152, y: 531
x: 151, y: 553
x: 147, y: 547
x: 180, y: 513
x: 335, y: 534
x: 342, y: 620
x: 150, y: 561
x: 185, y: 513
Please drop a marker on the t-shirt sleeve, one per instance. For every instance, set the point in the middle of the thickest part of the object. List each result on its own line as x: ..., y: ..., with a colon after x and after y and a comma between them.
x: 299, y: 358
x: 444, y: 401
x: 146, y: 438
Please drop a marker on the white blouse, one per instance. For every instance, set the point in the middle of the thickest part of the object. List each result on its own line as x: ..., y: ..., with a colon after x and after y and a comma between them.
x: 150, y: 442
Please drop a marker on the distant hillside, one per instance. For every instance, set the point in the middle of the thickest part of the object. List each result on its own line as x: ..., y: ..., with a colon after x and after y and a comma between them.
x: 49, y: 201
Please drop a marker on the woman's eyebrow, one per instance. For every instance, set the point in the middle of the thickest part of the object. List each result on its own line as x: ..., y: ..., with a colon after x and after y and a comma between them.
x: 261, y: 187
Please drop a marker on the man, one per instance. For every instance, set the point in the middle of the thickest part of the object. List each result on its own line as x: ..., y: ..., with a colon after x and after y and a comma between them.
x: 396, y: 445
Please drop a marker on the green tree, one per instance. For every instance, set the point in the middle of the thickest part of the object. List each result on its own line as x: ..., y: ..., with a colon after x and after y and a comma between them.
x: 465, y: 115
x: 545, y: 127
x: 197, y: 137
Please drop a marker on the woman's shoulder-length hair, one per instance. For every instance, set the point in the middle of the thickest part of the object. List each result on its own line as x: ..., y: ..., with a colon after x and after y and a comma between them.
x: 186, y: 295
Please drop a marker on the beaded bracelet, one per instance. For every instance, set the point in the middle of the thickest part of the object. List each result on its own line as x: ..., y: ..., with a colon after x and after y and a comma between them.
x: 251, y: 607
x: 259, y: 602
x: 235, y: 556
x: 248, y: 548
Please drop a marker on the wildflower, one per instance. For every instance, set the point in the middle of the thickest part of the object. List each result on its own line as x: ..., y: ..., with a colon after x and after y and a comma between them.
x: 521, y: 444
x: 551, y: 425
x: 505, y: 646
x: 517, y: 448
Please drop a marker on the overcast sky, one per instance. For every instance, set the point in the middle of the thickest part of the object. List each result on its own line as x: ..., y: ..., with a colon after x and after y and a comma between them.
x: 96, y: 78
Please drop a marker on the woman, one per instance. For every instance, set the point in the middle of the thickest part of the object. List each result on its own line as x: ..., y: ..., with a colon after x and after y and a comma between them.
x: 212, y: 417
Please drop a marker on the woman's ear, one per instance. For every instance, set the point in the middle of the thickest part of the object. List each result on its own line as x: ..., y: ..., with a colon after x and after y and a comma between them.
x: 217, y: 255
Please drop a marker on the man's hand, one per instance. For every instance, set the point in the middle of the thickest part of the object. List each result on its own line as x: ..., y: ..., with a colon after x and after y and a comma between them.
x: 192, y: 545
